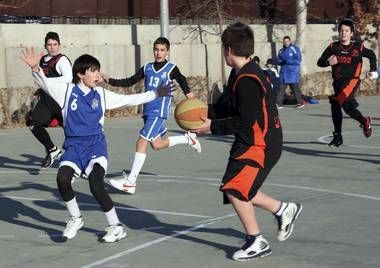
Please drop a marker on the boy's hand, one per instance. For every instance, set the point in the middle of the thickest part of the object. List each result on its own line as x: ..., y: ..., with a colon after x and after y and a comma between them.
x: 190, y: 95
x: 165, y: 90
x: 372, y: 75
x: 204, y: 128
x: 332, y: 60
x: 31, y: 58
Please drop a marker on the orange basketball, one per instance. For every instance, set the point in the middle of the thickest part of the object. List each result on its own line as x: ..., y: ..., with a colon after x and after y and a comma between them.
x: 188, y: 113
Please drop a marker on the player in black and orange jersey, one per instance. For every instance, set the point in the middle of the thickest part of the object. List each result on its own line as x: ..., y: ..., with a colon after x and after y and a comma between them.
x: 45, y: 111
x: 346, y: 58
x: 247, y: 110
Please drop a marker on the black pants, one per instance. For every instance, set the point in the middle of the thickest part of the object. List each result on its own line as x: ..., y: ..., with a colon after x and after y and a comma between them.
x: 296, y: 90
x: 349, y: 106
x: 43, y: 112
x: 96, y: 181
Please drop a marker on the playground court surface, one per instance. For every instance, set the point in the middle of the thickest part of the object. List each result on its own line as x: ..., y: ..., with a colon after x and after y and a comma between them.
x: 176, y: 218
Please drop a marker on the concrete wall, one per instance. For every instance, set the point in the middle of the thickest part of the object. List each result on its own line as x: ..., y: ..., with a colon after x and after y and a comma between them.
x: 122, y: 49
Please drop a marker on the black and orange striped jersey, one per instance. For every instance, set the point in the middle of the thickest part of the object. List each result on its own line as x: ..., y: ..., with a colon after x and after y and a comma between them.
x: 247, y: 110
x: 350, y: 59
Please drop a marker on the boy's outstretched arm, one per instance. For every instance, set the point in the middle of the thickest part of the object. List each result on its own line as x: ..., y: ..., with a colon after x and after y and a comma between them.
x: 114, y: 100
x: 56, y: 90
x: 31, y: 58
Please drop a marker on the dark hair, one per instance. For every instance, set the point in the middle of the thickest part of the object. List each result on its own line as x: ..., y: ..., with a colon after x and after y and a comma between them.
x: 82, y: 64
x: 269, y: 61
x: 240, y: 38
x: 52, y: 35
x: 287, y: 37
x: 256, y: 59
x: 347, y: 22
x: 162, y: 41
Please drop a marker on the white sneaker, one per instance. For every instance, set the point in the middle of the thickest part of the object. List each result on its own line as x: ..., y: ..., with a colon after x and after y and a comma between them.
x: 51, y: 156
x: 123, y: 184
x: 193, y: 141
x: 114, y: 233
x: 287, y: 219
x: 254, y: 247
x: 72, y: 227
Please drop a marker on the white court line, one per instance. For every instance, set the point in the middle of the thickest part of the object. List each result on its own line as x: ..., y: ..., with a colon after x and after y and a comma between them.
x: 322, y: 139
x: 159, y: 240
x: 117, y: 207
x: 216, y: 184
x: 325, y: 191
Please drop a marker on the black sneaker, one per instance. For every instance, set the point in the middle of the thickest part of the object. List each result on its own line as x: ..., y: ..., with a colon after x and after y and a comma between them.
x: 52, y: 155
x: 254, y: 247
x: 337, y: 140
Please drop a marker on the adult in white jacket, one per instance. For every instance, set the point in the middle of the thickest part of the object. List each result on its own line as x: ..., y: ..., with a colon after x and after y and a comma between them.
x: 83, y: 107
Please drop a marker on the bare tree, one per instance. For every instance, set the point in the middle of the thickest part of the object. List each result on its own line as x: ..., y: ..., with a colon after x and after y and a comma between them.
x: 218, y: 10
x: 368, y: 14
x: 301, y: 25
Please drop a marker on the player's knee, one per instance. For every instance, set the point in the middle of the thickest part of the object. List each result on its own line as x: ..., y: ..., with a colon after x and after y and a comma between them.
x: 348, y: 108
x: 96, y: 180
x: 34, y: 125
x: 64, y: 176
x: 155, y: 146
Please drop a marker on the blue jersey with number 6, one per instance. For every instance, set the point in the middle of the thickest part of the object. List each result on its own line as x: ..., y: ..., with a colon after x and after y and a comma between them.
x: 83, y: 114
x: 154, y: 79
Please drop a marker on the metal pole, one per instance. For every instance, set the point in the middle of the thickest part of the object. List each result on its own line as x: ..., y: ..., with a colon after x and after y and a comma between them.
x: 164, y: 16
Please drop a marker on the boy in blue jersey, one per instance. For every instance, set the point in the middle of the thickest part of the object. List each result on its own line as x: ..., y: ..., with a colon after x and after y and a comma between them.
x: 157, y: 73
x: 83, y: 106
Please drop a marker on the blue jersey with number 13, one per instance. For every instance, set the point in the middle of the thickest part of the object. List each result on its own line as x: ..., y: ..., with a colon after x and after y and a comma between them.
x: 159, y: 107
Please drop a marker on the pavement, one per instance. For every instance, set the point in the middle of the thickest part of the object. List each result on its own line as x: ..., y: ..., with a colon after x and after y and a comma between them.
x: 177, y: 219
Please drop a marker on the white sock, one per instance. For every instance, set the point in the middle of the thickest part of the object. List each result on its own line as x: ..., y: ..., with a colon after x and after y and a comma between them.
x: 137, y: 165
x: 73, y: 208
x: 112, y: 217
x: 281, y: 209
x: 174, y: 140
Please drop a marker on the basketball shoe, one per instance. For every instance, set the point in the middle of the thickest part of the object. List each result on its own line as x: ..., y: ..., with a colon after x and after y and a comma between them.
x: 337, y: 140
x: 114, y: 233
x: 72, y: 226
x: 193, y: 141
x: 124, y: 184
x: 51, y: 155
x: 254, y: 247
x: 367, y: 128
x: 286, y: 220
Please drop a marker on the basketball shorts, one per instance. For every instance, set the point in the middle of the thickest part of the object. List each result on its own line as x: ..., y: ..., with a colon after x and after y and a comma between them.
x: 242, y: 181
x: 153, y: 128
x: 45, y: 110
x: 81, y: 153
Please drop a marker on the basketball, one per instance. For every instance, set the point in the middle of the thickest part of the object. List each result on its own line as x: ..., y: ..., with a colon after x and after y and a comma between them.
x: 188, y: 113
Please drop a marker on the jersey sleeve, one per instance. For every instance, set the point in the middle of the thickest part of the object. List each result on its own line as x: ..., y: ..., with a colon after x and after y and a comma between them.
x: 127, y: 82
x: 249, y: 107
x: 56, y: 90
x: 369, y: 54
x: 181, y: 79
x: 114, y: 100
x: 322, y: 61
x: 63, y: 67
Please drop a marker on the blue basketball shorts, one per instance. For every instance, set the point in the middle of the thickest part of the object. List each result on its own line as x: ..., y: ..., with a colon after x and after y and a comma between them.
x: 81, y: 153
x: 153, y: 128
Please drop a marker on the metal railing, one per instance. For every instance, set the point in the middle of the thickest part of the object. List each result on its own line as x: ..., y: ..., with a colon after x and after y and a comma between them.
x: 147, y: 21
